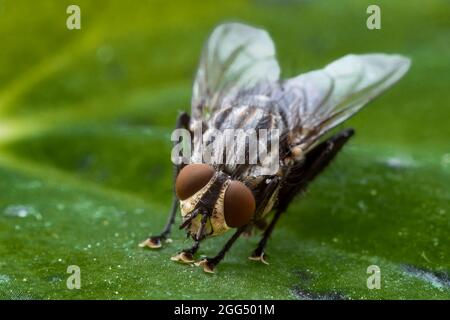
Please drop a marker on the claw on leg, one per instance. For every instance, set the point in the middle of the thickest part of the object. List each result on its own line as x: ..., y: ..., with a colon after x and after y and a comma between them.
x: 153, y: 242
x: 207, y: 265
x: 259, y: 257
x: 183, y: 257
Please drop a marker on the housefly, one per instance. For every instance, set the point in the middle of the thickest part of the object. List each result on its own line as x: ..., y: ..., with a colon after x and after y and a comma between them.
x: 238, y: 86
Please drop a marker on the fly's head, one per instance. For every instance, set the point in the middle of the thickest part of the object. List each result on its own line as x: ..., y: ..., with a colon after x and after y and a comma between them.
x: 211, y: 202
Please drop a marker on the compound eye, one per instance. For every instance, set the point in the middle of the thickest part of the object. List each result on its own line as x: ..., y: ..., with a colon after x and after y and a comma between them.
x: 192, y: 178
x: 239, y: 204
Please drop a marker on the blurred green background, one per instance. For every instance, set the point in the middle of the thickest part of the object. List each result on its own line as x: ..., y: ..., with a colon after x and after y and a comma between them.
x: 85, y: 172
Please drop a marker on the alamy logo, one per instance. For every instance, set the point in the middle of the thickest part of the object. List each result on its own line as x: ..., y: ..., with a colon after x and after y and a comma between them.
x: 74, y: 20
x: 74, y: 280
x: 374, y: 20
x: 374, y: 280
x: 230, y: 147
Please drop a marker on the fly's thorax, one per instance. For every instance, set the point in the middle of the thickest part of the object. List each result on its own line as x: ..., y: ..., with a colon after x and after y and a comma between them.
x: 234, y: 136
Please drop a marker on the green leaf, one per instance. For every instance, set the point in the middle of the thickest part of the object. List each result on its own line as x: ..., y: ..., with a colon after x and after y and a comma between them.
x: 85, y: 172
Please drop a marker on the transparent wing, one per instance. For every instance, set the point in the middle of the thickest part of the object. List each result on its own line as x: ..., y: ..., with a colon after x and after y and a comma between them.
x: 236, y: 57
x: 319, y: 100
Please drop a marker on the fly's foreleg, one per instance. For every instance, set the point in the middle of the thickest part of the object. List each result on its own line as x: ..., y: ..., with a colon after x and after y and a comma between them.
x: 258, y: 253
x: 209, y: 264
x: 154, y: 242
x: 187, y: 255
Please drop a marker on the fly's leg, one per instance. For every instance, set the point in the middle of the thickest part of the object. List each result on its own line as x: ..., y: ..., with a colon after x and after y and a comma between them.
x: 258, y: 253
x: 299, y: 177
x: 154, y: 242
x: 209, y: 264
x: 187, y: 255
